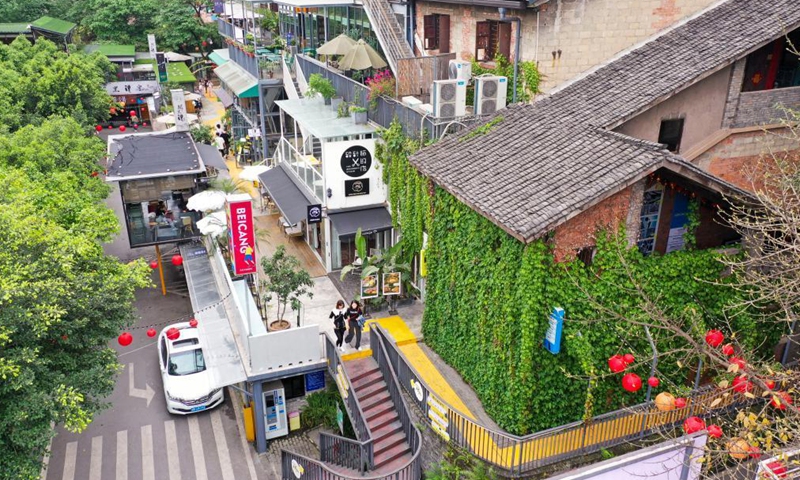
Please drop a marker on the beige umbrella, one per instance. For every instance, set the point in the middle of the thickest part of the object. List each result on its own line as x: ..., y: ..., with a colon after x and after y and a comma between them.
x: 361, y: 57
x: 337, y: 46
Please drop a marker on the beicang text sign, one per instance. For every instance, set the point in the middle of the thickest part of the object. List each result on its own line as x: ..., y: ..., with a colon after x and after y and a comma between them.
x: 356, y: 161
x: 242, y: 237
x: 356, y: 188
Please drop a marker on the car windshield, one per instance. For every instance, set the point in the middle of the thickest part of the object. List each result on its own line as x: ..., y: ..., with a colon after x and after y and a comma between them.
x: 186, y: 363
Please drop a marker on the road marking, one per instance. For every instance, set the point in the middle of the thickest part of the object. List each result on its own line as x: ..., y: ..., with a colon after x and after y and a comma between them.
x: 122, y: 455
x: 48, y: 452
x: 197, y: 450
x: 148, y: 468
x: 222, y: 446
x: 246, y: 450
x: 69, y: 461
x: 173, y: 459
x: 146, y: 393
x: 136, y: 349
x: 96, y: 463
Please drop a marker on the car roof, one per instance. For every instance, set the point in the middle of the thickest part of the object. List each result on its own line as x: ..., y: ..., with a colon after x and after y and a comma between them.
x: 187, y: 333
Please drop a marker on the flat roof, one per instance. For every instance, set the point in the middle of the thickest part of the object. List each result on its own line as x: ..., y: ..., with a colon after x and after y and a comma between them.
x: 177, y: 72
x: 149, y: 155
x: 321, y: 120
x: 112, y: 50
x: 55, y: 25
x: 14, y: 28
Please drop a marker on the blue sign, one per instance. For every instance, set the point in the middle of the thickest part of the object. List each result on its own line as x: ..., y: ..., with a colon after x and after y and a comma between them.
x: 552, y: 339
x: 315, y: 381
x: 219, y: 6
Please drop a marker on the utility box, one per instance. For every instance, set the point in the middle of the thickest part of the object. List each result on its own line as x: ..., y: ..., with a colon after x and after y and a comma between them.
x: 275, y: 420
x: 294, y: 421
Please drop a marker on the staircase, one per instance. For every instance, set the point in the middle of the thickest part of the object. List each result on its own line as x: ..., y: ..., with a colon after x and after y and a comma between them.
x: 389, y: 32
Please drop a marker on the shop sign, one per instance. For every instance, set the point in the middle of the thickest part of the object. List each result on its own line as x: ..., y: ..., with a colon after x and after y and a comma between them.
x: 179, y: 110
x: 151, y: 45
x: 242, y: 237
x: 356, y: 161
x: 356, y: 188
x: 142, y: 87
x: 313, y: 214
x: 437, y: 414
x: 369, y: 286
x: 315, y: 381
x: 391, y: 284
x: 552, y: 339
x: 161, y: 60
x: 219, y: 6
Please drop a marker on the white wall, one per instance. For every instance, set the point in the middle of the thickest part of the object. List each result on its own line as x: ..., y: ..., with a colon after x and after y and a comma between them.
x: 284, y: 349
x: 335, y: 177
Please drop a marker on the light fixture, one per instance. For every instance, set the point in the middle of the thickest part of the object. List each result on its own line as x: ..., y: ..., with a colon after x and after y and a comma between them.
x: 330, y: 193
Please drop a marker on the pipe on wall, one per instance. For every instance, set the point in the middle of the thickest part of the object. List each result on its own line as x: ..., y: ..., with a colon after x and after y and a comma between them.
x: 517, y: 39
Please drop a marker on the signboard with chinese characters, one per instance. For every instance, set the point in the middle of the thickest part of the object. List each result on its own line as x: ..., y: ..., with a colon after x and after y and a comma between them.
x: 356, y: 161
x: 151, y: 45
x: 315, y: 381
x: 356, y: 188
x: 242, y: 237
x: 552, y: 339
x: 437, y: 414
x: 179, y: 110
x: 313, y: 214
x: 161, y: 61
x: 391, y: 284
x: 219, y: 6
x: 143, y: 87
x: 369, y: 286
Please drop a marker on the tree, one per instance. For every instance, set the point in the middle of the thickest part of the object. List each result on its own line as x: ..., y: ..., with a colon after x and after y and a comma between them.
x: 285, y: 280
x: 118, y: 21
x: 180, y: 26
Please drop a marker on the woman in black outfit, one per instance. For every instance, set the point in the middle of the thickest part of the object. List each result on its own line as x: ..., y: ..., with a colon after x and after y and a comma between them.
x: 337, y: 315
x: 352, y: 315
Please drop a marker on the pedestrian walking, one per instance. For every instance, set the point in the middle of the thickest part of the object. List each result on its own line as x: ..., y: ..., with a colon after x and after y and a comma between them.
x: 227, y: 137
x: 355, y: 317
x: 219, y: 142
x: 218, y: 129
x: 337, y: 314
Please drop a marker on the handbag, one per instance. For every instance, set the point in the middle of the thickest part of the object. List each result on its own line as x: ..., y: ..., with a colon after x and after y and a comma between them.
x: 361, y: 321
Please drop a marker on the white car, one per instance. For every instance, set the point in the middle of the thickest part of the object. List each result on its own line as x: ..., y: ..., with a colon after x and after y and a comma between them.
x: 187, y: 383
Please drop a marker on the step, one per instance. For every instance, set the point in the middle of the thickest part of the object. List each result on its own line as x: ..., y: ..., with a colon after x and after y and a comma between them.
x: 389, y: 442
x: 383, y: 421
x: 367, y: 392
x: 374, y: 401
x: 378, y: 410
x: 391, y: 454
x: 366, y: 381
x: 391, y: 428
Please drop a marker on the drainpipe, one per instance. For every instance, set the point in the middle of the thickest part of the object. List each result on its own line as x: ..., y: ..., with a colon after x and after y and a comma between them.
x: 518, y: 21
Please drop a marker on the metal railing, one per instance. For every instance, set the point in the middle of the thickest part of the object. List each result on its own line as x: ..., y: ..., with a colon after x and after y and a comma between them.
x: 300, y: 164
x: 387, y: 29
x: 347, y: 88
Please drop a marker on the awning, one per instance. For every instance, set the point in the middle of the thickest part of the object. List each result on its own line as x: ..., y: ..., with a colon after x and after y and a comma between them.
x: 223, y: 360
x: 224, y: 97
x: 371, y: 220
x: 291, y: 201
x: 239, y: 80
x: 220, y: 56
x: 211, y: 156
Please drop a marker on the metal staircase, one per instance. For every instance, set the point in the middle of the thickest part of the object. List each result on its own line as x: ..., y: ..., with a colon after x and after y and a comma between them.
x: 389, y: 32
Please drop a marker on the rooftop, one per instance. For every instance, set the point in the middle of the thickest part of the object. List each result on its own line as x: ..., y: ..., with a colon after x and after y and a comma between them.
x: 321, y: 120
x: 177, y: 72
x: 151, y: 155
x: 112, y: 50
x: 14, y: 28
x: 541, y: 164
x: 50, y: 24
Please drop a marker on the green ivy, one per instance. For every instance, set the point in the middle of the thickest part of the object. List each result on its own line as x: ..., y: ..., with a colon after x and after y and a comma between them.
x: 528, y: 78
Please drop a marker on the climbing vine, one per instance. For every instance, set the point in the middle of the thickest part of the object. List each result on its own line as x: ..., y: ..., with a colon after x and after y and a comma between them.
x: 528, y: 78
x: 693, y: 221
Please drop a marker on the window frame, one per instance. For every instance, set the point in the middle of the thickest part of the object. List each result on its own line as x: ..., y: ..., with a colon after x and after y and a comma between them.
x: 662, y: 139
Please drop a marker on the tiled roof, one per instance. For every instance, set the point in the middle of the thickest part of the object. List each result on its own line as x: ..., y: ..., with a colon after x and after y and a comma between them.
x: 546, y: 162
x: 54, y: 25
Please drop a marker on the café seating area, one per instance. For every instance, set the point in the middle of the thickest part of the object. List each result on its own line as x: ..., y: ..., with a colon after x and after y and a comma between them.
x: 158, y: 221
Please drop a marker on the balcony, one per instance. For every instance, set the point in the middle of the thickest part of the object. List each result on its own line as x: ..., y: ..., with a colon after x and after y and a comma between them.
x: 306, y: 166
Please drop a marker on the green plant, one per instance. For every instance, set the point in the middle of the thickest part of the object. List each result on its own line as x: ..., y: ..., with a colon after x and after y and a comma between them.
x: 321, y: 85
x: 321, y: 410
x: 460, y: 465
x: 606, y: 455
x: 285, y: 279
x: 528, y: 78
x: 227, y: 185
x: 483, y: 129
x: 269, y: 20
x: 382, y: 84
x: 202, y: 134
x: 343, y: 110
x: 692, y: 222
x: 357, y: 109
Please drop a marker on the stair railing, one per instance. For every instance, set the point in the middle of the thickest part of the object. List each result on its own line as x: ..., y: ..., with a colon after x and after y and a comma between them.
x: 384, y: 24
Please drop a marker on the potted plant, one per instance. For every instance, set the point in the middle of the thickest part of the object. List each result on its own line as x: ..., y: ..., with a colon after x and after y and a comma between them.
x: 287, y: 281
x: 319, y: 84
x: 359, y: 115
x: 343, y: 110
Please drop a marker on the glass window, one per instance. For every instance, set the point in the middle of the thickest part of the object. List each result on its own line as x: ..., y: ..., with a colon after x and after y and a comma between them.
x: 187, y: 363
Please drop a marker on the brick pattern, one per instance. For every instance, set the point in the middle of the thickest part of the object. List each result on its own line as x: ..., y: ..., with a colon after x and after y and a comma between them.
x: 765, y: 107
x: 734, y: 89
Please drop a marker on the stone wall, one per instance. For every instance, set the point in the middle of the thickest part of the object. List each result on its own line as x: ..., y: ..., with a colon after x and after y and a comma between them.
x: 573, y: 35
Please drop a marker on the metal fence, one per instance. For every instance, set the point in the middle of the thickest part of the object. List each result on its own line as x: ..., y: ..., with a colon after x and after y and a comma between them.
x: 350, y: 90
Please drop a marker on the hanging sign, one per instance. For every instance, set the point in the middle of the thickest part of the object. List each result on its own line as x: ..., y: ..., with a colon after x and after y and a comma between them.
x: 161, y: 61
x: 242, y: 237
x: 179, y: 110
x: 356, y: 161
x: 552, y: 339
x: 391, y: 284
x: 313, y: 214
x: 151, y: 45
x: 369, y: 286
x: 356, y: 188
x: 142, y: 87
x: 219, y: 6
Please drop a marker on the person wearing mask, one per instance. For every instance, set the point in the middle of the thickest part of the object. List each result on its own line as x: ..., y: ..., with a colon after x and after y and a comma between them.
x: 353, y: 314
x: 337, y: 314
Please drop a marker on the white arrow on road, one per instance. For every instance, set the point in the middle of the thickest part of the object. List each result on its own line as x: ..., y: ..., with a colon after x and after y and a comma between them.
x: 147, y: 393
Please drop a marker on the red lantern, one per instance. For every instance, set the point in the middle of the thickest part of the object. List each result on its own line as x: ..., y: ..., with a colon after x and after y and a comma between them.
x: 154, y: 264
x: 616, y: 364
x: 738, y: 361
x: 628, y: 358
x: 680, y: 402
x: 653, y: 382
x: 151, y: 332
x: 742, y: 385
x: 99, y: 128
x: 193, y: 323
x: 173, y: 333
x: 714, y: 338
x: 144, y: 124
x: 727, y: 349
x: 133, y: 113
x: 125, y: 339
x: 122, y: 128
x: 631, y: 382
x: 755, y: 452
x: 177, y: 260
x: 693, y: 424
x: 714, y: 431
x: 780, y: 399
x: 110, y: 127
x: 770, y: 384
x: 205, y: 44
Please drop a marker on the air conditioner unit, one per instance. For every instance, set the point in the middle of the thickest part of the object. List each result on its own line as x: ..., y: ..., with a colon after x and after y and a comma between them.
x: 490, y: 94
x: 411, y: 102
x: 449, y: 98
x: 460, y: 70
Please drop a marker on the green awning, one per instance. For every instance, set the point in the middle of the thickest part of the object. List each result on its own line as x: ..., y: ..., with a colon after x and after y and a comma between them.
x: 14, y: 28
x: 220, y: 57
x: 50, y: 24
x: 241, y: 83
x: 112, y: 50
x: 177, y: 72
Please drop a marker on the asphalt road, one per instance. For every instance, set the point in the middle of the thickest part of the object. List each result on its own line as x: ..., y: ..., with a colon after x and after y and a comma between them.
x: 136, y: 438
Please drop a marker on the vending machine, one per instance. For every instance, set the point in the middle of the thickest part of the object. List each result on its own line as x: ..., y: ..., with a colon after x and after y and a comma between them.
x: 275, y: 421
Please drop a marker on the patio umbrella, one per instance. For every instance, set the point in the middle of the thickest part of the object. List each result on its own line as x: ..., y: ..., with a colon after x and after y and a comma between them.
x: 361, y: 57
x: 206, y: 201
x: 251, y: 173
x: 337, y: 46
x: 213, y: 224
x: 170, y: 118
x: 176, y: 57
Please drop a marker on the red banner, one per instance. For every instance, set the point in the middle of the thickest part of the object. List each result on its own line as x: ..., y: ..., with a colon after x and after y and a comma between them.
x: 242, y: 237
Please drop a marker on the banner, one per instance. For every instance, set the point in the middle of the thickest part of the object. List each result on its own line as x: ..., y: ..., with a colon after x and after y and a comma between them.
x: 161, y: 60
x: 369, y: 286
x: 242, y: 237
x: 179, y: 110
x: 391, y: 283
x: 151, y: 45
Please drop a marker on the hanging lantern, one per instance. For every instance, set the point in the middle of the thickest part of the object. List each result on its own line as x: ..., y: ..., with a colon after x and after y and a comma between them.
x: 193, y: 323
x: 665, y: 402
x: 714, y: 431
x: 742, y: 385
x: 151, y: 332
x: 631, y: 382
x: 738, y: 448
x: 780, y: 400
x: 98, y: 128
x: 173, y: 333
x: 110, y: 127
x: 755, y: 452
x: 133, y: 113
x: 144, y: 124
x: 125, y: 339
x: 616, y: 364
x: 628, y: 358
x: 738, y: 361
x: 693, y: 424
x: 205, y: 44
x: 680, y: 402
x: 653, y: 382
x: 154, y: 264
x: 177, y: 260
x: 714, y: 338
x: 122, y: 128
x: 727, y: 349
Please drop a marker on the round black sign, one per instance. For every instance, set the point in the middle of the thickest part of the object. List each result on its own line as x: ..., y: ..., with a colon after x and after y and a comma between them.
x: 356, y: 161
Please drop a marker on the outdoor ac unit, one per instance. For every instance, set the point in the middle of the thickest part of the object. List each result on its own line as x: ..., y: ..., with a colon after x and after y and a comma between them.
x: 411, y: 102
x: 449, y: 98
x: 490, y: 94
x: 460, y: 70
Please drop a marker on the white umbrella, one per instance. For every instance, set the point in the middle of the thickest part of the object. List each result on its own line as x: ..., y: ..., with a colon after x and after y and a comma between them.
x: 176, y: 57
x: 251, y: 173
x: 206, y: 201
x: 170, y: 118
x: 361, y: 57
x: 214, y: 224
x: 337, y: 46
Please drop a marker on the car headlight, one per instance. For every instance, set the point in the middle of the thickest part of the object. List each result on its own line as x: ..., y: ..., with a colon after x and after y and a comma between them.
x: 215, y: 391
x: 174, y: 399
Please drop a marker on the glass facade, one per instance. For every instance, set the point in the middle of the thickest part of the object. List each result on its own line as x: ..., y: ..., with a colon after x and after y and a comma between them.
x: 311, y: 27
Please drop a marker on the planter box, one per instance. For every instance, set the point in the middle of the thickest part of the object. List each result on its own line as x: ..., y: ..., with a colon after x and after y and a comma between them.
x: 360, y: 118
